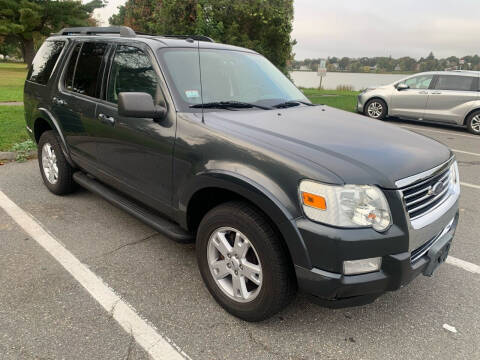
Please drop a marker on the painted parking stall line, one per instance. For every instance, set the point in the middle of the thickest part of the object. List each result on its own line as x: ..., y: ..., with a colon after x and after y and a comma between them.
x: 465, y: 265
x: 473, y: 186
x: 466, y: 152
x: 440, y: 132
x: 156, y: 345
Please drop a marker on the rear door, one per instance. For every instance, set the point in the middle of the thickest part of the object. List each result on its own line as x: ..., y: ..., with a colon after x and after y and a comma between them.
x: 452, y: 98
x: 40, y: 79
x: 412, y: 102
x: 136, y: 153
x: 74, y: 101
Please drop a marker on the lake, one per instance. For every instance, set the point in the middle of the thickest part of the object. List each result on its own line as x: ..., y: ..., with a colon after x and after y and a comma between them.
x: 359, y: 81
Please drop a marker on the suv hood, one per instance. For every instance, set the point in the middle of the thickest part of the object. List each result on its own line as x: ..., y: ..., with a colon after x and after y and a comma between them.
x: 359, y: 150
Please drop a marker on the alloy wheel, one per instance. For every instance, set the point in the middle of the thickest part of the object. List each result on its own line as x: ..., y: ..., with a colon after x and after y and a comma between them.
x: 475, y: 124
x: 234, y: 264
x: 49, y: 163
x: 375, y: 110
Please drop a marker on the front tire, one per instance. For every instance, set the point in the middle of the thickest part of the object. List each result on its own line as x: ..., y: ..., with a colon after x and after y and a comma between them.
x: 473, y: 123
x: 376, y: 109
x: 56, y: 171
x: 243, y: 262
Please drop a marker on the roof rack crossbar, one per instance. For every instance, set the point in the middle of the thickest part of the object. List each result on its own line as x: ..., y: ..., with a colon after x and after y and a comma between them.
x: 193, y: 37
x: 123, y: 31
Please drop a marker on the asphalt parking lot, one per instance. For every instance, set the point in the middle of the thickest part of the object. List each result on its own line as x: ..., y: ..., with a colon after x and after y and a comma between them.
x: 47, y: 313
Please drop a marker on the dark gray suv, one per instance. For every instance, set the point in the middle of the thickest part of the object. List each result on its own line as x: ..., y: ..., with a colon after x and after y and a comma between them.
x: 210, y: 143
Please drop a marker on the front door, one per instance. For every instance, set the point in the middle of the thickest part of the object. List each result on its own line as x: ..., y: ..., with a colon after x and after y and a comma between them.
x: 136, y: 152
x: 452, y: 98
x: 411, y: 103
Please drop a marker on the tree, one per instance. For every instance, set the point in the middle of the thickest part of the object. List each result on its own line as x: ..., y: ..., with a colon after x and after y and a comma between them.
x: 8, y: 48
x: 261, y: 25
x: 24, y: 21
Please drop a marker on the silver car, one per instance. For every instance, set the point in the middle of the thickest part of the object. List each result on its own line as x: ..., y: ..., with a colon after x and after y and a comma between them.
x: 449, y: 97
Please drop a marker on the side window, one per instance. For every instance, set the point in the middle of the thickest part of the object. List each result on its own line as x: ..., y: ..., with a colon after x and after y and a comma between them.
x: 68, y: 81
x: 132, y: 71
x: 455, y: 82
x: 419, y: 82
x: 86, y: 75
x: 44, y: 62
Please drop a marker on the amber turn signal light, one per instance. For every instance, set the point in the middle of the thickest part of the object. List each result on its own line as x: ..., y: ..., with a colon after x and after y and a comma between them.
x: 315, y: 201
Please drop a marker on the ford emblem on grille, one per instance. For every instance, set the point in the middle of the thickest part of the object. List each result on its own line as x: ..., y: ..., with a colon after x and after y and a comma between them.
x: 436, y: 189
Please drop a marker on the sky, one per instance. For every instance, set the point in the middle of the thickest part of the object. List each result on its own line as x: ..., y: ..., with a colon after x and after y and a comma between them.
x: 357, y: 28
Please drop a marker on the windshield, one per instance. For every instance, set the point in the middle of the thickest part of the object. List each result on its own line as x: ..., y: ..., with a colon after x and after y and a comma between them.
x: 226, y: 76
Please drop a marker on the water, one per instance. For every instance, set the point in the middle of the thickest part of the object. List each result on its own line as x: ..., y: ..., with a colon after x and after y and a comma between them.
x: 358, y: 81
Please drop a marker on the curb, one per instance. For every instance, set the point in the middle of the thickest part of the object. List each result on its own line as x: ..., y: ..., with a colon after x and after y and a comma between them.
x: 12, y: 155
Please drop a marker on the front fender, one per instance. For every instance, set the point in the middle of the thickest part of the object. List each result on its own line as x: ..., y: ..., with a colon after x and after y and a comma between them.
x: 274, y: 203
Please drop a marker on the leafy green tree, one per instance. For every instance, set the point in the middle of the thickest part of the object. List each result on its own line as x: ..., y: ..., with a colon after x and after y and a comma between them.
x: 24, y: 21
x: 261, y: 25
x: 8, y: 48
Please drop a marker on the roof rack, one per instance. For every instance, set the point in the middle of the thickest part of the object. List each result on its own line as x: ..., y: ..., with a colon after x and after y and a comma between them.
x: 193, y: 37
x: 123, y: 31
x: 467, y: 71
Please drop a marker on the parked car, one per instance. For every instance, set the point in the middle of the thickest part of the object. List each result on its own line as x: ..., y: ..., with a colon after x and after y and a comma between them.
x: 211, y: 143
x: 451, y: 97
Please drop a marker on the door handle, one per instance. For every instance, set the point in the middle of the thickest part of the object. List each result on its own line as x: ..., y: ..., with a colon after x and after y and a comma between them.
x: 106, y: 119
x: 423, y: 92
x: 59, y: 101
x: 436, y: 92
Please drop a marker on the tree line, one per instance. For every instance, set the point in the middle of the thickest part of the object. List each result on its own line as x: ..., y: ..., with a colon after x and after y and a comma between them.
x: 262, y: 25
x: 24, y: 24
x: 389, y: 64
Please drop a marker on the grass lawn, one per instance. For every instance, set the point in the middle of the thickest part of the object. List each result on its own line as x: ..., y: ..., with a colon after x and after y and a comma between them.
x: 12, y: 78
x: 12, y: 127
x: 345, y: 100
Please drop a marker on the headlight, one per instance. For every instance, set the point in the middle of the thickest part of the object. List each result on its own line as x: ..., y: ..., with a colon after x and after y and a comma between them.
x: 345, y: 206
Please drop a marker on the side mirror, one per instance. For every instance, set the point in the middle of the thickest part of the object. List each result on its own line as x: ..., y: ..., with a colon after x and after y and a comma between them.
x: 402, y: 86
x: 139, y: 105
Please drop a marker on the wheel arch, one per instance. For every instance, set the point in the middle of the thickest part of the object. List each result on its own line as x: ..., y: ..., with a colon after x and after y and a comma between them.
x: 470, y: 113
x: 46, y: 121
x: 214, y: 189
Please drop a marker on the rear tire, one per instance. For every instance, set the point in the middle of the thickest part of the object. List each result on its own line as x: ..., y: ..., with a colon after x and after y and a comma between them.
x: 273, y: 285
x: 376, y: 109
x: 473, y: 122
x: 56, y: 171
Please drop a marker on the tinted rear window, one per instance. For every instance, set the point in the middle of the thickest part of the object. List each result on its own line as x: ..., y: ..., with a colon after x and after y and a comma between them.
x: 44, y: 62
x: 455, y: 82
x: 71, y: 68
x: 86, y: 74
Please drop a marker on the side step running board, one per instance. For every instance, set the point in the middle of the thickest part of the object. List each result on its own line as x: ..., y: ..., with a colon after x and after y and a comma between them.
x: 162, y: 225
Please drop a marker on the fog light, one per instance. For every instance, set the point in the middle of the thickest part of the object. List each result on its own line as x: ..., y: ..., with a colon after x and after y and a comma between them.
x: 355, y: 267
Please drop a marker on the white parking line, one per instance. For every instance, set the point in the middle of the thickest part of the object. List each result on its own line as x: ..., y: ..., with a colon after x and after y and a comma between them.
x: 470, y: 185
x: 156, y: 345
x: 441, y: 132
x: 465, y: 265
x: 466, y: 152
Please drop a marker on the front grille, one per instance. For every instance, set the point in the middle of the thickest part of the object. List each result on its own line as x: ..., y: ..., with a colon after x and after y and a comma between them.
x: 419, y: 252
x: 422, y: 250
x: 419, y: 198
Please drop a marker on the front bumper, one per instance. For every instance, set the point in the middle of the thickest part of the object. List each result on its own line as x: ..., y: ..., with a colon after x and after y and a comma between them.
x: 361, y: 100
x: 397, y: 271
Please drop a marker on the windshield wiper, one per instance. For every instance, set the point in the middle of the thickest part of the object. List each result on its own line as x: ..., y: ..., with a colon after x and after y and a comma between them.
x: 292, y: 103
x: 228, y: 104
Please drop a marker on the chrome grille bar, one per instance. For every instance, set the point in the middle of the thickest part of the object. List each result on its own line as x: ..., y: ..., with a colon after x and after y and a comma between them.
x: 419, y: 197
